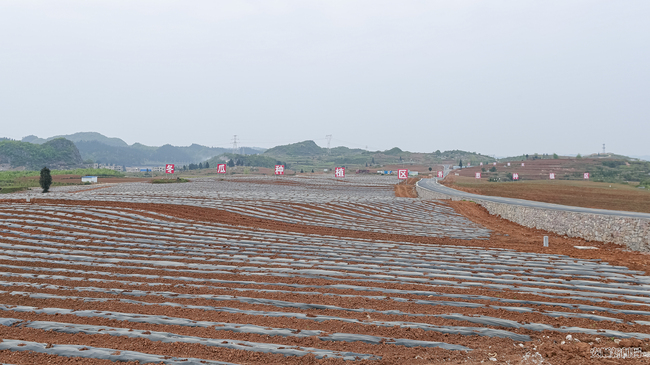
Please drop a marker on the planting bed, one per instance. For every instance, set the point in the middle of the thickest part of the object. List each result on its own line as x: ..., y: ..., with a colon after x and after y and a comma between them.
x: 116, y: 275
x: 360, y: 203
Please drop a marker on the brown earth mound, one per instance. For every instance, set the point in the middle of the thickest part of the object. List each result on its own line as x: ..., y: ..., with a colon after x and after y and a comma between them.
x: 406, y: 188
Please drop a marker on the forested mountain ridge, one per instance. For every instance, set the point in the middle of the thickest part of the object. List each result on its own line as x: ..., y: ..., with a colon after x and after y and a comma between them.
x: 56, y: 154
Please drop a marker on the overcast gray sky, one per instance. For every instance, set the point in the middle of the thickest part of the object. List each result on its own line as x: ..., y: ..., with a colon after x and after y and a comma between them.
x: 496, y: 77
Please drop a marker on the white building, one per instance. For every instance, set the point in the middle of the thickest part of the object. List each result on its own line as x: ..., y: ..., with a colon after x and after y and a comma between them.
x: 89, y: 179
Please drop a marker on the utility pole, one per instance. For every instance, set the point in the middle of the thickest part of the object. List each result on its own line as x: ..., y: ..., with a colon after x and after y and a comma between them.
x: 329, y: 139
x: 603, y: 148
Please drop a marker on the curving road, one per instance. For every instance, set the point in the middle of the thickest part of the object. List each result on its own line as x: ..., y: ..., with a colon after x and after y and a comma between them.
x: 432, y: 184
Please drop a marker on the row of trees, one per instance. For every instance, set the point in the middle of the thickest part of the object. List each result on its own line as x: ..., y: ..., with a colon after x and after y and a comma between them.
x: 194, y: 166
x: 243, y: 162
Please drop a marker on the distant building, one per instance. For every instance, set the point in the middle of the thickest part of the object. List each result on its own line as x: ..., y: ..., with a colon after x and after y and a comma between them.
x: 132, y: 169
x: 158, y: 169
x: 109, y: 167
x: 89, y: 179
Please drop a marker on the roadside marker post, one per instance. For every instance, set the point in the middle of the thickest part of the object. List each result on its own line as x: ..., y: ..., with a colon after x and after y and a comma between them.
x: 515, y: 176
x: 402, y: 174
x: 586, y: 176
x: 551, y: 176
x: 545, y: 241
x: 221, y: 168
x: 279, y: 169
x: 339, y: 172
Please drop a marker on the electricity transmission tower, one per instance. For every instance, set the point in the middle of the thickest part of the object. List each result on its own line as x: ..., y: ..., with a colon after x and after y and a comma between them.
x: 234, y: 144
x: 329, y: 139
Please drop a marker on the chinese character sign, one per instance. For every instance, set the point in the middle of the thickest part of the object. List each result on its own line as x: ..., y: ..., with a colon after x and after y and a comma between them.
x: 221, y: 168
x: 339, y: 172
x: 402, y: 174
x: 478, y: 175
x: 551, y: 176
x: 586, y: 176
x: 440, y: 174
x: 169, y: 168
x: 515, y: 176
x: 522, y: 164
x: 481, y: 163
x: 279, y: 169
x: 494, y: 163
x: 508, y: 163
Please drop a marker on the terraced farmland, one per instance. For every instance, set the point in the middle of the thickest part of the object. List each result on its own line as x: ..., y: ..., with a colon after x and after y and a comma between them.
x: 83, y: 279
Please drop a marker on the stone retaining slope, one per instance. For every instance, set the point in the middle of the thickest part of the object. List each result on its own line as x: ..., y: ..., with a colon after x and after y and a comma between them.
x: 634, y: 233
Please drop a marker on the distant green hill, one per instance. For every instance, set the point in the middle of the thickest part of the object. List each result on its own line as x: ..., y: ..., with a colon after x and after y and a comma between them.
x: 302, y: 155
x: 305, y: 148
x: 56, y: 154
x: 310, y: 149
x: 101, y: 149
x: 81, y: 136
x: 308, y: 155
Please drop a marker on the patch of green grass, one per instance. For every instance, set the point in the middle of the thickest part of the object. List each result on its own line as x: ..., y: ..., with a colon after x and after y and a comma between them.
x: 17, y: 178
x: 169, y: 181
x: 12, y: 189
